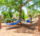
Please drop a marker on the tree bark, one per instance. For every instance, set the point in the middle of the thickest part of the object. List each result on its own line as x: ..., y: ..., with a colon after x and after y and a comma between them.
x: 31, y: 19
x: 20, y: 11
x: 26, y: 2
x: 20, y: 14
x: 0, y: 21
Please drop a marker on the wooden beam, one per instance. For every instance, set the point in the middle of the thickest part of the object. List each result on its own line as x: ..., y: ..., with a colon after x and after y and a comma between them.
x: 38, y: 22
x: 0, y: 21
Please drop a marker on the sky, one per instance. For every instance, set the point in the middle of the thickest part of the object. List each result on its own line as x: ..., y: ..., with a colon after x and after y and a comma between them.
x: 25, y: 8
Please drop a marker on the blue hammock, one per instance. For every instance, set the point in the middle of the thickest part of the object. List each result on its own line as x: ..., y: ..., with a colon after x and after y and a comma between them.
x: 13, y: 23
x: 28, y: 21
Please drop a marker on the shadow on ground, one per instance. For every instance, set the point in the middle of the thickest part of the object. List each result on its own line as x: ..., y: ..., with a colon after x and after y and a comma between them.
x: 24, y: 28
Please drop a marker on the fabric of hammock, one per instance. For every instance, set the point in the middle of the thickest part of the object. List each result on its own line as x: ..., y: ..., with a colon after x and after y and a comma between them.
x: 28, y: 21
x: 13, y: 23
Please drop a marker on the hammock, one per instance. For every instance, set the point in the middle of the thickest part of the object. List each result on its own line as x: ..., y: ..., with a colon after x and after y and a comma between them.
x: 28, y: 21
x: 13, y: 23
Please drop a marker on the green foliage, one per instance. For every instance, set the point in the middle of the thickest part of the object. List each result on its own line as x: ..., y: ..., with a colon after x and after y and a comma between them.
x: 23, y: 15
x: 36, y: 3
x: 10, y: 13
x: 8, y: 20
x: 2, y: 21
x: 36, y: 15
x: 30, y: 13
x: 26, y: 16
x: 16, y: 5
x: 17, y: 14
x: 6, y: 14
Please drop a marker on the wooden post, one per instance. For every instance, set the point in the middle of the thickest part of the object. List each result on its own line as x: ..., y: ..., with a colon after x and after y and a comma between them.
x: 38, y: 22
x: 0, y: 21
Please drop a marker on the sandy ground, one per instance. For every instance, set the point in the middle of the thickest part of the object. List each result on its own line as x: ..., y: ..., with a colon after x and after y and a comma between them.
x: 17, y: 30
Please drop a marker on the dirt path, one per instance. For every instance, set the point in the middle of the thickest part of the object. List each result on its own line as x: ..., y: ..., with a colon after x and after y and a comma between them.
x: 17, y: 30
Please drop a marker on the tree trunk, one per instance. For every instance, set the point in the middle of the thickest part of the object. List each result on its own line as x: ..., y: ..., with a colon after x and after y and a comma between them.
x: 20, y: 14
x: 31, y: 19
x: 20, y: 11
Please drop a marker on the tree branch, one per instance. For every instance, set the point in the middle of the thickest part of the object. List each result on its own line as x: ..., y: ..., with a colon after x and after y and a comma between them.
x: 12, y: 5
x: 16, y: 9
x: 33, y: 4
x: 26, y: 2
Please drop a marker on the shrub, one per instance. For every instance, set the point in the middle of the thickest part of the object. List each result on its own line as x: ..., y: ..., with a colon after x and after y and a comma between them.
x: 8, y: 20
x: 26, y: 16
x: 2, y: 21
x: 36, y: 15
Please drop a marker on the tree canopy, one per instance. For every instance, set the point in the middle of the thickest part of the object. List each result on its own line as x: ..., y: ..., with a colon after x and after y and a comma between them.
x: 18, y: 4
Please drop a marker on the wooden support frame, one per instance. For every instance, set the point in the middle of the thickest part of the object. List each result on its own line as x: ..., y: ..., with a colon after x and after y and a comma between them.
x: 38, y: 22
x: 0, y: 21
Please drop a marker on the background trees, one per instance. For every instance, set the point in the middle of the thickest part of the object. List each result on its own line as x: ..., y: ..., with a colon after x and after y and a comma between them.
x: 18, y: 4
x: 23, y: 15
